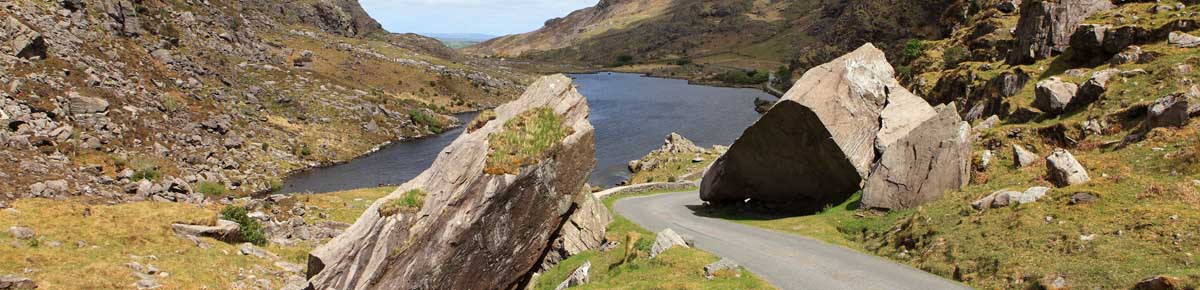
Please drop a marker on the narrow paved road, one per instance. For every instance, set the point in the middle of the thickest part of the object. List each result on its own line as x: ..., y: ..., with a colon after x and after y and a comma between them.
x: 786, y: 261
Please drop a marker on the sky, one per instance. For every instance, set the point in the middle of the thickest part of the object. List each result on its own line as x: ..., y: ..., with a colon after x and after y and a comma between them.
x: 494, y: 17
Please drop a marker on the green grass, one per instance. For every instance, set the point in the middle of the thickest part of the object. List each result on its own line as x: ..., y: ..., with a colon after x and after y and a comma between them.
x: 251, y: 230
x: 677, y: 268
x: 213, y: 189
x: 525, y: 140
x: 412, y: 200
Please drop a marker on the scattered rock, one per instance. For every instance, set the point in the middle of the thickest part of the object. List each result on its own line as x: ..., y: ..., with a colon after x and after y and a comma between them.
x: 289, y: 267
x: 252, y: 250
x: 1064, y: 170
x: 762, y: 106
x: 226, y: 231
x: 1023, y: 158
x: 1005, y: 198
x: 21, y: 233
x: 985, y: 160
x: 1055, y: 282
x: 21, y: 41
x: 10, y: 282
x: 921, y: 167
x: 583, y: 231
x: 578, y: 277
x: 1169, y: 111
x: 86, y: 105
x: 987, y: 123
x: 1053, y: 95
x: 1008, y: 6
x: 1180, y: 39
x: 1083, y: 198
x: 710, y: 270
x: 1159, y: 283
x: 1094, y: 87
x: 666, y: 240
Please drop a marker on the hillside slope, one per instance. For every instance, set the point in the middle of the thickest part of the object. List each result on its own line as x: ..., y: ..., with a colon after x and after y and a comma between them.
x: 742, y: 34
x: 174, y: 100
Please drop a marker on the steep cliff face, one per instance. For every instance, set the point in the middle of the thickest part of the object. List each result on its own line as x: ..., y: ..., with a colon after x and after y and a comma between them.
x: 340, y: 17
x: 474, y: 230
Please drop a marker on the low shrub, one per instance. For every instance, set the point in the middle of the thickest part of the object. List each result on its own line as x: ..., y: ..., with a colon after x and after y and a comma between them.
x: 251, y: 230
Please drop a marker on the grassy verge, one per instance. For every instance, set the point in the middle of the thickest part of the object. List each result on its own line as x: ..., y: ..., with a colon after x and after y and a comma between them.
x: 677, y: 268
x: 85, y: 246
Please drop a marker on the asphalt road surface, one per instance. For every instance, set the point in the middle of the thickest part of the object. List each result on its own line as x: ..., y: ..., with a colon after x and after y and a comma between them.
x: 786, y: 261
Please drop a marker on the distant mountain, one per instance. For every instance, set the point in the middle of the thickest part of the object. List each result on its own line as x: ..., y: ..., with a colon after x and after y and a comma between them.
x: 460, y: 40
x: 727, y: 33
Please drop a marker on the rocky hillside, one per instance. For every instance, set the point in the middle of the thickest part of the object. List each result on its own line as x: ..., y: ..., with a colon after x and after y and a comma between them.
x: 1080, y: 170
x: 703, y: 38
x: 184, y: 100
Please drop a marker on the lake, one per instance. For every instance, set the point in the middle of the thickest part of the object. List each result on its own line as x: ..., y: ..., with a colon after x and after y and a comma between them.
x: 632, y: 114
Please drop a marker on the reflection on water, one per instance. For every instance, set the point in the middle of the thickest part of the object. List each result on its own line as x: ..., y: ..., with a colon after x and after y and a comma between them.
x: 632, y: 115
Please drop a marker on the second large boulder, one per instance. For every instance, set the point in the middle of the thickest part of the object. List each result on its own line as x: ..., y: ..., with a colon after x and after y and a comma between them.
x: 819, y: 142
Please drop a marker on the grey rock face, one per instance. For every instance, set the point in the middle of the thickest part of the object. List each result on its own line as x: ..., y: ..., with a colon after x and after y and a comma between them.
x: 921, y: 167
x: 1169, y: 111
x: 578, y: 277
x: 475, y: 230
x: 21, y: 41
x: 1045, y: 27
x: 665, y: 240
x: 819, y: 141
x: 1180, y: 39
x: 583, y: 231
x: 1064, y: 170
x: 1053, y: 95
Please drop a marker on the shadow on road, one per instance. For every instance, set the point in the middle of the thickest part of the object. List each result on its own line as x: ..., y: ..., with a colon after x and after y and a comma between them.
x: 762, y: 211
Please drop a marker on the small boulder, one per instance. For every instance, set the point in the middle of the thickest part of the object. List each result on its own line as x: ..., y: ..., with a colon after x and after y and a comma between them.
x: 1064, y: 170
x: 10, y: 282
x: 578, y: 277
x: 1184, y: 40
x: 1023, y: 158
x: 665, y: 240
x: 1094, y: 87
x: 1008, y: 6
x: 21, y: 233
x: 1083, y: 198
x: 21, y: 41
x: 86, y: 105
x: 1054, y: 94
x: 226, y: 231
x: 1169, y: 111
x: 1005, y: 198
x: 252, y: 250
x: 710, y: 270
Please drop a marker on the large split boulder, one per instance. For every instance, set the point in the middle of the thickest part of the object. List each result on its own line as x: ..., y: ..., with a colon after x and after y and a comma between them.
x: 922, y: 166
x: 473, y: 230
x: 819, y: 142
x: 1045, y: 27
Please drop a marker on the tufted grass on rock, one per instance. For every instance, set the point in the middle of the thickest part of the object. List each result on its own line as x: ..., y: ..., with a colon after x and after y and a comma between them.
x: 524, y: 140
x: 411, y: 201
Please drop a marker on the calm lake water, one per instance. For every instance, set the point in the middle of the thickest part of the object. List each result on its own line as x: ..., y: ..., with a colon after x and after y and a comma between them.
x: 632, y: 115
